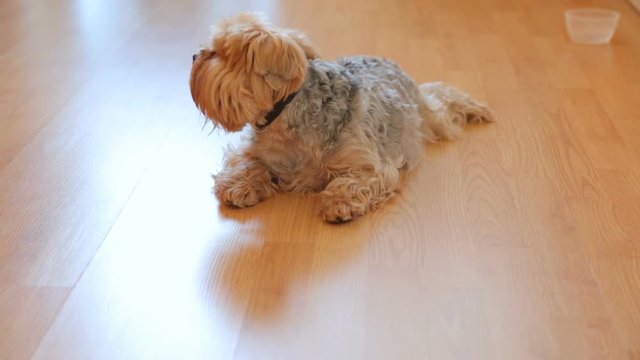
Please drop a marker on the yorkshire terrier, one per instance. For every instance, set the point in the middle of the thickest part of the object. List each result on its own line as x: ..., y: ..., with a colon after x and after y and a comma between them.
x: 346, y: 129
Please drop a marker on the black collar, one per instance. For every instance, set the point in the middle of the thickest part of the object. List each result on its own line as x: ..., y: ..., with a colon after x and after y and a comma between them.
x: 275, y: 112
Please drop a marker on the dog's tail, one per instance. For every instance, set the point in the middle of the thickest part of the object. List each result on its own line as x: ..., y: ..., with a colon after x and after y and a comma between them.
x: 446, y: 110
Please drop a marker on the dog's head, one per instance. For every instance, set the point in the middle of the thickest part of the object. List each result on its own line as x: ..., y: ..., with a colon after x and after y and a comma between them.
x: 249, y: 67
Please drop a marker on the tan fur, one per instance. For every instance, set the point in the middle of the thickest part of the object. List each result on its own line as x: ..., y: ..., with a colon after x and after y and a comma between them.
x: 252, y: 67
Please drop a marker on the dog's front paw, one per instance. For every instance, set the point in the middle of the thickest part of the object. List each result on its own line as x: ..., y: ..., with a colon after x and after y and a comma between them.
x: 240, y: 196
x: 338, y: 211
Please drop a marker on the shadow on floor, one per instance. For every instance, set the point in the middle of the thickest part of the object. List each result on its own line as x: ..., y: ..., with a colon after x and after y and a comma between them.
x: 274, y: 253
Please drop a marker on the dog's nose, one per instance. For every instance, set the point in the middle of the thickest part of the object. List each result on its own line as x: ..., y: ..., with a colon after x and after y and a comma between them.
x: 195, y: 56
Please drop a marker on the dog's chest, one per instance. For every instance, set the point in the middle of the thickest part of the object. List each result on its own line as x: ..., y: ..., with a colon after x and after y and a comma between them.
x: 295, y: 162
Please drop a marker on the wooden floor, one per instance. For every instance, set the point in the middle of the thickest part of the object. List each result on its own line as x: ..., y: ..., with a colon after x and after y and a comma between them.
x: 519, y: 241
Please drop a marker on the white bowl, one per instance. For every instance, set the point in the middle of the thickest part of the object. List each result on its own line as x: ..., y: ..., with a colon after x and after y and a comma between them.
x: 591, y: 26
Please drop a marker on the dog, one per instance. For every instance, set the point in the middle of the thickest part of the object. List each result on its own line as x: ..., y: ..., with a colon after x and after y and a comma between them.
x: 347, y: 129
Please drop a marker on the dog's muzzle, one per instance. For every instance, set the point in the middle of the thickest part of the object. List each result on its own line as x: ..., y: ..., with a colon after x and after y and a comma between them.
x: 208, y: 54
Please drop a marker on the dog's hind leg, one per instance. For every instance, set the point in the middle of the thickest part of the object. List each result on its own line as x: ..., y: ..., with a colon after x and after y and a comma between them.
x: 446, y: 110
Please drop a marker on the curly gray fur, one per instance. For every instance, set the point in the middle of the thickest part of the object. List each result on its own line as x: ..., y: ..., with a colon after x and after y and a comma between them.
x: 353, y: 127
x: 355, y: 97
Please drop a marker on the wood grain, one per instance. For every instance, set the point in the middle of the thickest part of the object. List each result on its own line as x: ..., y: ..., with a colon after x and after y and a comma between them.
x: 518, y: 241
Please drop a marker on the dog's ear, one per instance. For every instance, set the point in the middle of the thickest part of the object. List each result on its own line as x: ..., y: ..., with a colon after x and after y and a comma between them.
x: 278, y: 59
x: 310, y: 50
x: 276, y: 56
